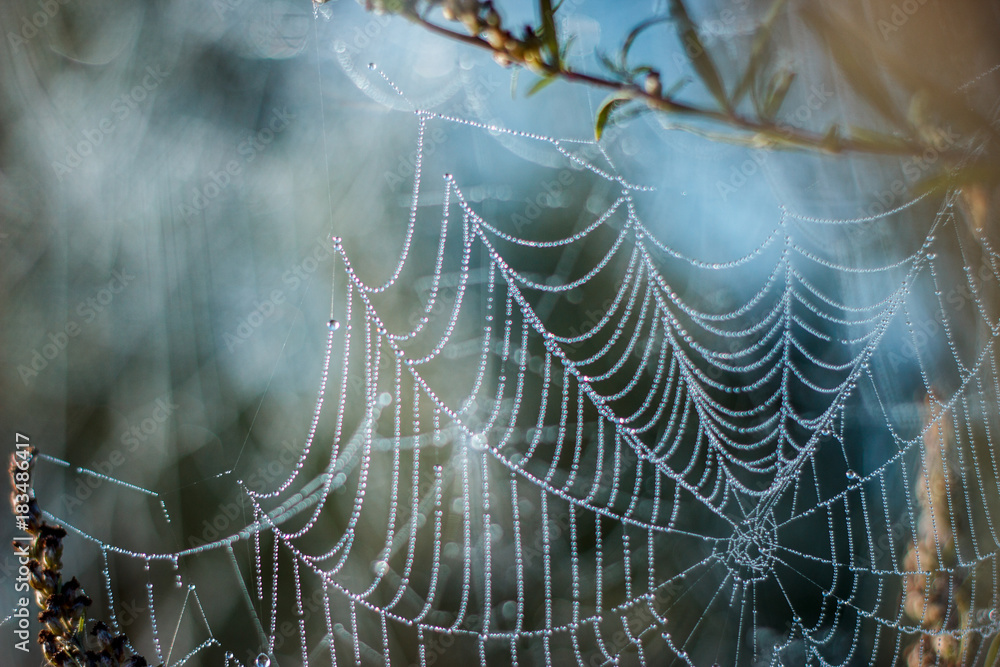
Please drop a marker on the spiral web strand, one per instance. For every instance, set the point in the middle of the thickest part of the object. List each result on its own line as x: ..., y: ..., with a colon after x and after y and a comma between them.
x: 645, y: 485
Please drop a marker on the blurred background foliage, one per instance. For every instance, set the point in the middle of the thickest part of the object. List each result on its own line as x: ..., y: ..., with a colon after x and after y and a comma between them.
x: 170, y: 172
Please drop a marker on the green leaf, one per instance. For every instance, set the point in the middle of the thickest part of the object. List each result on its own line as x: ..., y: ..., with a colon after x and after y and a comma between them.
x: 757, y: 51
x: 548, y: 32
x: 564, y: 49
x: 994, y: 652
x: 701, y: 59
x: 636, y: 31
x: 778, y: 90
x: 607, y: 107
x: 540, y: 84
x: 831, y: 140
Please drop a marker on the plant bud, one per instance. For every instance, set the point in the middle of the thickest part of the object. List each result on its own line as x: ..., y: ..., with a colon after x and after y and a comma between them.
x: 652, y: 84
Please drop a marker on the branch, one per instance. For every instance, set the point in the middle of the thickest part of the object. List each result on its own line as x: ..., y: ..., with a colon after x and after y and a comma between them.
x: 63, y: 617
x: 541, y: 54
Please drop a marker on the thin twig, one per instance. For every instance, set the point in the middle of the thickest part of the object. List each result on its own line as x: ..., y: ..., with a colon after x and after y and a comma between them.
x: 763, y: 133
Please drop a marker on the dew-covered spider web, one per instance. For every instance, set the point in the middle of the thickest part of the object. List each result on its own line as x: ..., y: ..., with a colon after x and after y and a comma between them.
x: 584, y: 444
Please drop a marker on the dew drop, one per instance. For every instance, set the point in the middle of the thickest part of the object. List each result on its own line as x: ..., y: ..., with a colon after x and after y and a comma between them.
x: 380, y: 568
x: 852, y: 475
x: 932, y: 255
x: 179, y: 582
x: 262, y: 661
x: 994, y: 615
x: 372, y: 66
x: 333, y: 325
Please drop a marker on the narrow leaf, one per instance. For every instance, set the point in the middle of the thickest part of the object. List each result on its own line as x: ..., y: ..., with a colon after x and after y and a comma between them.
x: 757, y: 51
x: 831, y: 140
x: 994, y: 652
x: 540, y: 84
x: 779, y: 85
x: 604, y: 113
x: 564, y: 49
x: 701, y: 59
x: 636, y: 31
x: 549, y: 36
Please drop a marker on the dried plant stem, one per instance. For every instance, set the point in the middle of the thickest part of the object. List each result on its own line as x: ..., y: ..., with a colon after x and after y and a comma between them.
x: 757, y: 132
x: 63, y: 635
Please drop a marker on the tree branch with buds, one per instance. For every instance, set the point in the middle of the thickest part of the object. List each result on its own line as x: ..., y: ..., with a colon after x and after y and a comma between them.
x: 745, y: 110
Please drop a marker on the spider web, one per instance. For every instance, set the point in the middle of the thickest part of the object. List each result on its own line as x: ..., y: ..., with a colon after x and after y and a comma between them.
x: 719, y: 473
